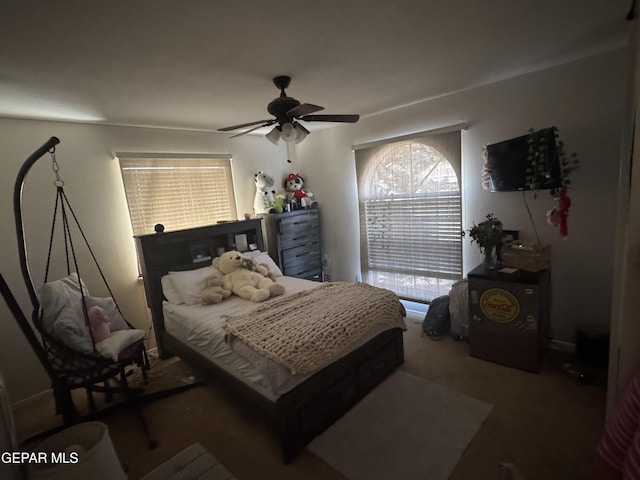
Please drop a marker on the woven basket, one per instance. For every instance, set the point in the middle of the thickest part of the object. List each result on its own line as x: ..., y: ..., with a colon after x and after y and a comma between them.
x: 526, y: 257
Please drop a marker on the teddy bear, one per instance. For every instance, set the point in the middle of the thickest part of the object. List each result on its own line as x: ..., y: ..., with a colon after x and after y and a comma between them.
x: 293, y: 185
x: 252, y: 264
x: 98, y: 323
x: 246, y: 283
x: 213, y: 292
x: 265, y: 194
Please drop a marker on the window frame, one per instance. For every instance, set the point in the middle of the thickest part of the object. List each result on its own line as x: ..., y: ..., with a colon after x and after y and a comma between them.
x: 172, y: 216
x: 371, y: 156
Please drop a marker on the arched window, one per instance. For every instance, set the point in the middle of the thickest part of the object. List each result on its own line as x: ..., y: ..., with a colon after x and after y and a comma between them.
x: 410, y: 211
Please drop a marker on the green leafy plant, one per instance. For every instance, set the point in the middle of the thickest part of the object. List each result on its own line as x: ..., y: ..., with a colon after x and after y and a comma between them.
x: 487, y: 234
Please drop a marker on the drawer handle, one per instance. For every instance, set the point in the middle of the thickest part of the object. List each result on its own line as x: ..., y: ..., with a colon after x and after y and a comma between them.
x: 302, y: 254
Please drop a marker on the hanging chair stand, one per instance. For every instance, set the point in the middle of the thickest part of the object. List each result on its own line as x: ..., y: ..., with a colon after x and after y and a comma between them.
x: 67, y: 368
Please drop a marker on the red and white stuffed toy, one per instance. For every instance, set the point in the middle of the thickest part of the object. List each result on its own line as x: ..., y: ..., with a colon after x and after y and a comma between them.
x: 293, y: 184
x: 558, y: 215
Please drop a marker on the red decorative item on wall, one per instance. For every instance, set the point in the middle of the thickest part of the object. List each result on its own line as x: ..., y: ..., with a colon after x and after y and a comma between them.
x: 558, y: 215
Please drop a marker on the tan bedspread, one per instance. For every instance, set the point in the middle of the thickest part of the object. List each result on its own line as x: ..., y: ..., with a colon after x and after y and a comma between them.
x: 306, y: 330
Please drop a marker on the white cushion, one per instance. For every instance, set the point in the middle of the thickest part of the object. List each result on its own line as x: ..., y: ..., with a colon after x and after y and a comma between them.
x: 170, y: 293
x: 62, y: 316
x: 115, y: 343
x: 190, y: 283
x: 263, y: 257
x: 108, y: 304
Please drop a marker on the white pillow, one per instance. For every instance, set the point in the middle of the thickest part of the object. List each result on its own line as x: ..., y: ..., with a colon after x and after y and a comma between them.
x: 170, y: 293
x: 190, y: 283
x: 115, y: 343
x: 62, y: 316
x: 263, y: 257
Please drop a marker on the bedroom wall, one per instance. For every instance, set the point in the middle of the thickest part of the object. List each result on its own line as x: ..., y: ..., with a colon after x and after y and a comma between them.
x: 94, y: 187
x: 583, y: 99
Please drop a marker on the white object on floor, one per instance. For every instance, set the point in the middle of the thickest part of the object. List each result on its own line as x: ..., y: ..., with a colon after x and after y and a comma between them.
x: 194, y: 463
x: 77, y: 453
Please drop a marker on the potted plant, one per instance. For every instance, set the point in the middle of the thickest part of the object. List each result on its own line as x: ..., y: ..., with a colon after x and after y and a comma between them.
x: 488, y: 235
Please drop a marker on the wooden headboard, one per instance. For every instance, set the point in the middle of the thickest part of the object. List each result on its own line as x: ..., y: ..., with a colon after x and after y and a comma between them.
x: 185, y: 250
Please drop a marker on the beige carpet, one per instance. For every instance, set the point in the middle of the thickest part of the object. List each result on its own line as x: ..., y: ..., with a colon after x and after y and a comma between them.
x: 407, y: 428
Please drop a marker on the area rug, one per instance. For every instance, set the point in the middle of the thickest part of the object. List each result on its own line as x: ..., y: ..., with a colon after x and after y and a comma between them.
x: 407, y: 428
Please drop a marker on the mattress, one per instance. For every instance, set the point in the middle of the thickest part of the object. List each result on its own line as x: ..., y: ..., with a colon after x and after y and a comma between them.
x: 201, y: 327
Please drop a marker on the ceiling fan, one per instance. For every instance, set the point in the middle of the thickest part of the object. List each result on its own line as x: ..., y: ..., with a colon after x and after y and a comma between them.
x: 287, y: 113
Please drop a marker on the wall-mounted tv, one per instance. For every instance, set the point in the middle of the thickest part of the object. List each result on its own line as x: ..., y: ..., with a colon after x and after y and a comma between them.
x: 507, y: 163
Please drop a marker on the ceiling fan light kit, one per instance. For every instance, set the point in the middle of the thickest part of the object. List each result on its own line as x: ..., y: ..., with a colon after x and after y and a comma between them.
x: 286, y: 110
x: 274, y: 135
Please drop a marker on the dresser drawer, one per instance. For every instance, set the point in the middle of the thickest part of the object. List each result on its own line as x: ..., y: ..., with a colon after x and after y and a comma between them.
x: 306, y: 272
x: 302, y: 254
x: 299, y: 221
x: 298, y: 234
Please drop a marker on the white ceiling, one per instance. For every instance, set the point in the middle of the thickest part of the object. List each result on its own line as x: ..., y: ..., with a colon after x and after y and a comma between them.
x: 207, y: 64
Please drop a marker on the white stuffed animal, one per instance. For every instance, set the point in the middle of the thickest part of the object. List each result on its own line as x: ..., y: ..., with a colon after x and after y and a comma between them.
x: 246, y: 283
x: 265, y: 194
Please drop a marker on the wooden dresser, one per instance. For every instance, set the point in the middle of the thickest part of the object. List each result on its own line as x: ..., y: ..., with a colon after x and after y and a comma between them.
x: 293, y: 241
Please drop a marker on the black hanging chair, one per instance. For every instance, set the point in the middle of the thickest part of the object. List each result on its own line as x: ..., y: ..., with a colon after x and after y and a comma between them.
x: 68, y: 368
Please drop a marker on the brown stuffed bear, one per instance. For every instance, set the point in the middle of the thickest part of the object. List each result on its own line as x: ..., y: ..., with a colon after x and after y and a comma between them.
x: 213, y: 292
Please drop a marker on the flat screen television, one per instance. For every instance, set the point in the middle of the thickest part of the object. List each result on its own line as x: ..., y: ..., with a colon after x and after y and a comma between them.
x: 507, y: 163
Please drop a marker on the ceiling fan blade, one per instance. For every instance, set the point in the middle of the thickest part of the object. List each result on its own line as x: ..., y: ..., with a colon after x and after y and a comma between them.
x: 304, y: 109
x: 331, y: 118
x: 242, y: 125
x: 301, y: 127
x: 252, y: 129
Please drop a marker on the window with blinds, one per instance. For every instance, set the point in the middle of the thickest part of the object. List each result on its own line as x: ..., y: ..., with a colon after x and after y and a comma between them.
x: 178, y: 191
x: 410, y: 215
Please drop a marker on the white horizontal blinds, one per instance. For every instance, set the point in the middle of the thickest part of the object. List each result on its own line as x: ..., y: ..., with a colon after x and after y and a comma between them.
x: 177, y: 192
x: 410, y: 215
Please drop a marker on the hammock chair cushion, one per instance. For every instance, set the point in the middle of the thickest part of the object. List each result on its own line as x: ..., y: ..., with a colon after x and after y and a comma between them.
x: 62, y: 315
x: 112, y: 346
x: 108, y: 304
x: 63, y: 319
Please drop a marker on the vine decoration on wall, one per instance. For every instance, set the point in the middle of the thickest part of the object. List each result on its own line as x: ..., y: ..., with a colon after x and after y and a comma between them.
x: 541, y: 163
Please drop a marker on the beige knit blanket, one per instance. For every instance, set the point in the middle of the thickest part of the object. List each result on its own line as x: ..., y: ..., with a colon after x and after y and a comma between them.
x: 305, y: 331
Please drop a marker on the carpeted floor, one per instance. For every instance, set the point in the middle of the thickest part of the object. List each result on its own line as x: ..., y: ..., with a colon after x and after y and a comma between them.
x: 548, y: 424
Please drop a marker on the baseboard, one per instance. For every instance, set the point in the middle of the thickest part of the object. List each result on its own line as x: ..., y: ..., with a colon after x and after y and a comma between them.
x: 562, y: 346
x: 33, y: 398
x: 151, y: 352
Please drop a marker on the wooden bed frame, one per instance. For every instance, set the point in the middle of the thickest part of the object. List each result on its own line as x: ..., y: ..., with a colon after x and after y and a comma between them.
x: 305, y: 411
